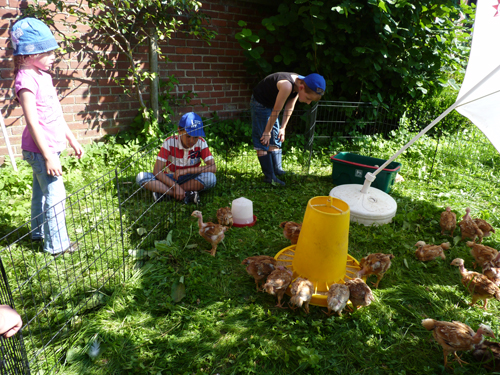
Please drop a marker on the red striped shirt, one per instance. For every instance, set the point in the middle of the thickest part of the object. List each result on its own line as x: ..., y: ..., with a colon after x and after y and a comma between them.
x: 175, y: 156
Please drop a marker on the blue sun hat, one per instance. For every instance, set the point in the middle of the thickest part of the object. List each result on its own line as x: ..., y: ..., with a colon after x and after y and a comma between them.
x: 193, y: 124
x: 315, y: 82
x: 31, y: 36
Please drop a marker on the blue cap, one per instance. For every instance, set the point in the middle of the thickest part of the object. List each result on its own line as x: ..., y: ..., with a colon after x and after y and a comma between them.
x: 31, y: 36
x: 315, y: 82
x: 193, y: 124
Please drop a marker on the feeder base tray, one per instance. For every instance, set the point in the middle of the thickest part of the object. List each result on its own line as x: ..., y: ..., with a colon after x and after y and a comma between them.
x: 285, y: 258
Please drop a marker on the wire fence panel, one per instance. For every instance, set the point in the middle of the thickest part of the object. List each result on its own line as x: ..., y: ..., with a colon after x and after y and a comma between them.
x: 115, y: 222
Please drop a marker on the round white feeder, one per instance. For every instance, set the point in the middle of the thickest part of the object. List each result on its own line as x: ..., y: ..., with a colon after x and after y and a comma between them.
x: 242, y: 210
x: 368, y: 206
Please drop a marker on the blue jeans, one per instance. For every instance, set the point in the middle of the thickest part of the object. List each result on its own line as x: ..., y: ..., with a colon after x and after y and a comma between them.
x: 207, y: 179
x: 260, y: 116
x: 48, y: 217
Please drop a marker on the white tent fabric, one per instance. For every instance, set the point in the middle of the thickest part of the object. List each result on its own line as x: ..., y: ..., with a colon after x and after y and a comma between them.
x: 479, y: 96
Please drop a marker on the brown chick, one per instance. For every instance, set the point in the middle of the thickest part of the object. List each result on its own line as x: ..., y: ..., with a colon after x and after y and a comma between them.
x: 375, y: 264
x: 225, y: 216
x: 338, y: 295
x: 488, y: 352
x: 481, y: 253
x: 291, y: 230
x: 448, y: 221
x: 477, y: 284
x: 492, y: 272
x: 484, y: 226
x: 260, y: 266
x: 456, y: 336
x: 426, y: 252
x: 277, y: 282
x: 302, y: 291
x: 360, y: 294
x: 213, y: 233
x: 469, y: 228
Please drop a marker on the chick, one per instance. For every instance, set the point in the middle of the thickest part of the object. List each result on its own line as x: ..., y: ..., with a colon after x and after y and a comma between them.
x: 225, y: 216
x: 484, y: 226
x: 455, y: 336
x: 426, y: 252
x: 213, y: 233
x: 291, y: 230
x: 488, y: 353
x: 481, y: 253
x: 469, y: 228
x: 477, y: 284
x: 360, y: 294
x: 492, y: 272
x: 448, y: 221
x: 338, y: 295
x: 302, y: 291
x: 277, y: 283
x: 259, y: 266
x: 375, y: 264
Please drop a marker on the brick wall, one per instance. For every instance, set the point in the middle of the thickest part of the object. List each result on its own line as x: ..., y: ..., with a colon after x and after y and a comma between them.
x: 94, y: 105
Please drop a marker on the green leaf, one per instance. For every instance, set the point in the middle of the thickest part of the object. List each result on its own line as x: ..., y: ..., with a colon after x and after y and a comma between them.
x: 178, y: 290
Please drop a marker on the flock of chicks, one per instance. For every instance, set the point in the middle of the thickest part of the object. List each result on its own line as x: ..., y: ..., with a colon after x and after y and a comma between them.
x: 456, y: 336
x: 452, y: 336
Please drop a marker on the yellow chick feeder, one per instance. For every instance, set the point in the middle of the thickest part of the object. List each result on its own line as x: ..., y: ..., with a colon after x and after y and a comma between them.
x: 320, y: 254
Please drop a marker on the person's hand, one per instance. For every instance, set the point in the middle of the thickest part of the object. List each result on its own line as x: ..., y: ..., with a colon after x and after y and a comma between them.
x: 10, y: 321
x: 78, y: 149
x: 179, y: 193
x: 53, y: 165
x: 266, y: 137
x: 179, y: 172
x: 281, y: 135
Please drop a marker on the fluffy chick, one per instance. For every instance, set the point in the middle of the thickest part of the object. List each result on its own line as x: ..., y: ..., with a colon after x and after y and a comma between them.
x: 469, y: 228
x: 338, y: 295
x: 277, y: 282
x: 213, y: 233
x: 429, y: 252
x: 488, y: 353
x: 492, y: 272
x: 302, y: 291
x: 360, y: 294
x: 225, y: 216
x: 455, y: 336
x: 375, y: 264
x: 484, y: 226
x: 479, y: 286
x: 259, y: 266
x: 291, y: 230
x: 448, y: 221
x: 481, y: 253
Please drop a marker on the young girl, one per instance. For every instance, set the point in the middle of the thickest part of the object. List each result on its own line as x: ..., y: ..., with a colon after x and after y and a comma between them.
x: 274, y: 92
x: 45, y: 134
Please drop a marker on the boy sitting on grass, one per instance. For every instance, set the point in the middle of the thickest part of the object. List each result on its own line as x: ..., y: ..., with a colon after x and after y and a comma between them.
x: 178, y: 172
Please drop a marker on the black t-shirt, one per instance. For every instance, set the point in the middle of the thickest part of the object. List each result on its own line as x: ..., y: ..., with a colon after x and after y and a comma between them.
x: 266, y: 90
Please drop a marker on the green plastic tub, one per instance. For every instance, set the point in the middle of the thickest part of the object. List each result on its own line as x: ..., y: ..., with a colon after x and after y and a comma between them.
x: 351, y: 168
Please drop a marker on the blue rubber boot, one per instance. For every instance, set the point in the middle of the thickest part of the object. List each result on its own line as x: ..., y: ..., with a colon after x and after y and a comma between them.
x: 276, y: 156
x: 266, y: 163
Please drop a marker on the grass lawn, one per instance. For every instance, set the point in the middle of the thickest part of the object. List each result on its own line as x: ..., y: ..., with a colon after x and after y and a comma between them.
x: 223, y: 326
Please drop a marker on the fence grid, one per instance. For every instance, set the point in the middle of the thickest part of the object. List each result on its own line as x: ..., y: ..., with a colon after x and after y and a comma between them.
x: 112, y: 218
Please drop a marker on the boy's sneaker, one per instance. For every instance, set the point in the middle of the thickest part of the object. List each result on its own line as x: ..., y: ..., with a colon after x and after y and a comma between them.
x: 192, y: 196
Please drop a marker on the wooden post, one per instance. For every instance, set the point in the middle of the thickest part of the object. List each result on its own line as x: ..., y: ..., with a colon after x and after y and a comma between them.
x: 9, y: 148
x: 153, y: 68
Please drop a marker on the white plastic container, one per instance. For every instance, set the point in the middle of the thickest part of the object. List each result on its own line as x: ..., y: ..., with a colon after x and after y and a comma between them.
x: 242, y: 210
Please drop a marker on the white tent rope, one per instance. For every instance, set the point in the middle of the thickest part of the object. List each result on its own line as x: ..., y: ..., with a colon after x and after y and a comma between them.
x: 458, y: 103
x: 7, y: 143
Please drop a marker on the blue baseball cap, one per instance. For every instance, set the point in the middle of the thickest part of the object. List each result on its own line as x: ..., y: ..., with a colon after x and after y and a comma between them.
x: 315, y: 82
x: 31, y: 36
x: 193, y: 124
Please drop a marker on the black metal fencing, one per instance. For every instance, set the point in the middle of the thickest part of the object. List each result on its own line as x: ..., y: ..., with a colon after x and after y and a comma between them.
x: 113, y: 220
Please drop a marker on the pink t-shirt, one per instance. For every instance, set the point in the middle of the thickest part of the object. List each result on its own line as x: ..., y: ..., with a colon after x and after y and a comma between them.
x: 49, y: 110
